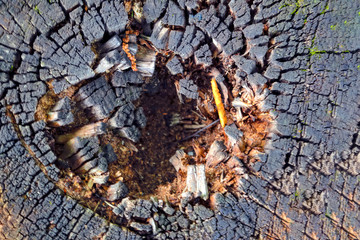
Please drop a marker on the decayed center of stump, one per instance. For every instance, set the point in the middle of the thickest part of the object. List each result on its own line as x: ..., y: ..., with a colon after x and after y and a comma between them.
x: 144, y: 166
x: 131, y: 131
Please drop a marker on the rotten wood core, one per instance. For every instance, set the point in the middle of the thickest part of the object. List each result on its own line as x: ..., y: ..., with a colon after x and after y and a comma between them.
x: 144, y: 167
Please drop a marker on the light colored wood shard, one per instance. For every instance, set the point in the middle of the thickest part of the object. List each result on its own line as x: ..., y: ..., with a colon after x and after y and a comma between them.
x: 219, y: 103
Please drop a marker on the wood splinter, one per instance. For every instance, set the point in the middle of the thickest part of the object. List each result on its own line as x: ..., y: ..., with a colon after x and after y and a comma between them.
x: 218, y: 102
x: 86, y: 131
